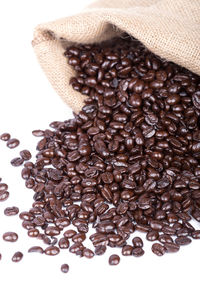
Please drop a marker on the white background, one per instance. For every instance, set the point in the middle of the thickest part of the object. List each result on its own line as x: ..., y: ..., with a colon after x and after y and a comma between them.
x: 28, y: 102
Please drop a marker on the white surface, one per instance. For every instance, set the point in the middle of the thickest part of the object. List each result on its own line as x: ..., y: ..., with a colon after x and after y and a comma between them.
x: 28, y: 102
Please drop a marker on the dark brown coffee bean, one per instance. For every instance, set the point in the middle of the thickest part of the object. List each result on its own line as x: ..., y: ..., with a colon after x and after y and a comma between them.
x: 38, y: 133
x: 12, y: 143
x: 114, y: 260
x: 65, y: 268
x: 51, y: 250
x: 196, y: 234
x: 152, y: 235
x: 33, y: 232
x: 17, y: 256
x: 88, y: 253
x: 137, y: 242
x: 16, y: 162
x: 5, y: 136
x: 25, y: 154
x: 10, y: 236
x: 36, y: 249
x: 127, y: 250
x: 158, y: 249
x: 69, y: 233
x: 100, y: 250
x: 63, y: 243
x: 11, y: 211
x: 138, y: 251
x: 171, y: 247
x: 4, y: 196
x: 182, y: 240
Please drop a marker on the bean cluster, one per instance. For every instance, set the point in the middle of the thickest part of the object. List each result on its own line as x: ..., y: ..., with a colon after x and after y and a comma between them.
x: 128, y: 161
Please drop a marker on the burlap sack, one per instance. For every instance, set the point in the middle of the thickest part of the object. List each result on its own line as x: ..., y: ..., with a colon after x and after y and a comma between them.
x: 169, y: 28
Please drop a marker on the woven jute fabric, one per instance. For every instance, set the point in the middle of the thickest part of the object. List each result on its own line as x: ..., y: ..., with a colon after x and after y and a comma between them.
x: 169, y: 28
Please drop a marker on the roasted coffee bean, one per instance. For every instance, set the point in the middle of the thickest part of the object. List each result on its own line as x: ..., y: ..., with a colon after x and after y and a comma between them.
x: 182, y: 240
x: 3, y: 187
x: 138, y: 251
x: 100, y: 250
x: 18, y: 161
x: 64, y: 268
x: 63, y: 243
x: 36, y: 249
x: 171, y: 247
x: 69, y: 233
x: 11, y: 211
x: 17, y: 256
x: 127, y: 250
x: 25, y: 154
x: 114, y: 260
x: 4, y: 196
x: 5, y: 136
x: 137, y: 242
x: 33, y: 232
x: 12, y: 143
x: 10, y: 236
x: 152, y: 235
x: 88, y: 253
x: 158, y: 249
x: 51, y: 250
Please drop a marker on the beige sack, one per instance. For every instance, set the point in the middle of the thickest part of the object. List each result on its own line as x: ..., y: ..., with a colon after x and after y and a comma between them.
x: 169, y: 28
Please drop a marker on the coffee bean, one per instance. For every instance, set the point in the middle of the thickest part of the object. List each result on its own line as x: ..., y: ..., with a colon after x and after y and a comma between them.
x: 10, y: 236
x: 138, y: 251
x: 137, y: 242
x: 11, y: 211
x: 12, y: 143
x: 127, y: 250
x: 63, y: 243
x: 182, y: 240
x: 65, y: 268
x: 51, y: 250
x: 114, y: 260
x: 5, y: 136
x: 158, y: 249
x: 36, y: 249
x: 25, y: 154
x: 100, y: 250
x: 171, y: 247
x: 4, y: 196
x: 16, y: 162
x: 88, y: 253
x: 17, y: 257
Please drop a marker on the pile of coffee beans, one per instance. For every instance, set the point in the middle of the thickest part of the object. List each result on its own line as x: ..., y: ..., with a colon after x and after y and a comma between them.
x: 129, y: 160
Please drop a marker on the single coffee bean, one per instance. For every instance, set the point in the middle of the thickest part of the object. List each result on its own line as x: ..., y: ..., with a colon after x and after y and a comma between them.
x: 11, y: 211
x: 158, y: 249
x: 16, y: 162
x: 65, y: 268
x: 88, y: 253
x: 25, y: 154
x: 171, y: 247
x: 63, y: 243
x: 127, y: 250
x: 4, y: 196
x: 36, y: 249
x: 5, y: 137
x: 100, y: 250
x: 137, y: 242
x: 114, y: 260
x: 51, y: 250
x: 10, y: 236
x: 182, y: 240
x: 17, y: 256
x: 138, y: 251
x: 12, y: 143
